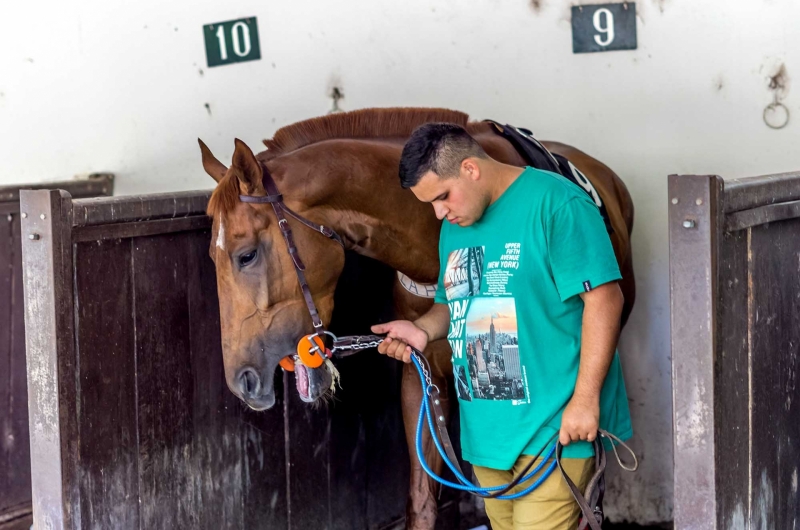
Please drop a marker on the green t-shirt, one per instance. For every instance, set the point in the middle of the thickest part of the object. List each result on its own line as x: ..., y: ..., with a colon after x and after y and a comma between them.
x: 511, y: 282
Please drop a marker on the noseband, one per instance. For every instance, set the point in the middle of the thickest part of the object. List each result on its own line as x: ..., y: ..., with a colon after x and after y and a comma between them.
x: 275, y: 198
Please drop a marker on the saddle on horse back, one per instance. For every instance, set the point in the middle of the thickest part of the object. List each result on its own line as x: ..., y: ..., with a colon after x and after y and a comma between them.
x: 537, y: 156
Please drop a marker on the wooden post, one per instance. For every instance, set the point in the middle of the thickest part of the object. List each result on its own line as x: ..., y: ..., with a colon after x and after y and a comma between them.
x: 47, y: 278
x: 693, y: 229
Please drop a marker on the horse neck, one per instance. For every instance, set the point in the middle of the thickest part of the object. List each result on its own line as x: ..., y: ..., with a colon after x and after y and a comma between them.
x: 352, y: 186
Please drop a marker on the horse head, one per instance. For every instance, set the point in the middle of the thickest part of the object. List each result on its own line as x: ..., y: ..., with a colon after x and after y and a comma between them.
x: 263, y: 313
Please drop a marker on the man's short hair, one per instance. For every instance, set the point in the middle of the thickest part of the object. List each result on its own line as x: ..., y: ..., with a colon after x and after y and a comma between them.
x: 437, y: 147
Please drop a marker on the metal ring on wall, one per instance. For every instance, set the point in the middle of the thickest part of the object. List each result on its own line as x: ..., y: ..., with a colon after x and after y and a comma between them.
x: 771, y: 109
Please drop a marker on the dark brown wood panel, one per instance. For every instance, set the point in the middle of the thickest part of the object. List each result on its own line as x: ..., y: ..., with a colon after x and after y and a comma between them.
x: 135, y: 208
x: 731, y: 375
x: 775, y: 249
x: 264, y: 463
x: 189, y: 446
x: 15, y: 476
x: 106, y: 341
x: 752, y: 192
x: 309, y: 436
x: 216, y: 463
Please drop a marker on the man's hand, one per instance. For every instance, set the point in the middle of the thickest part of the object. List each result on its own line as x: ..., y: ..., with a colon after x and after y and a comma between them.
x: 580, y: 420
x: 401, y: 334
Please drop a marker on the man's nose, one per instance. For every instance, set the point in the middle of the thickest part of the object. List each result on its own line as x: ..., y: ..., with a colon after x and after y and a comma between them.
x: 440, y: 210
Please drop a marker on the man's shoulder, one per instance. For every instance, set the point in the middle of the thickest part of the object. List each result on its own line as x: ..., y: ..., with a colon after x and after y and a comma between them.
x: 547, y: 190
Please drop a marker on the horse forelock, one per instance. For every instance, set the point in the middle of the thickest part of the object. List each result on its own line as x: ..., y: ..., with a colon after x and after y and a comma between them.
x: 365, y: 123
x: 225, y: 196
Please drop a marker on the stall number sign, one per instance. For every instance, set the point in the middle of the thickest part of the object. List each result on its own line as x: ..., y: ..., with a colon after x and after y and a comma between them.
x: 603, y: 27
x: 234, y: 41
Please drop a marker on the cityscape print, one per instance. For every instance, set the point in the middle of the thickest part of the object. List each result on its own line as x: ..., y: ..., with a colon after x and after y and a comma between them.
x: 492, y: 350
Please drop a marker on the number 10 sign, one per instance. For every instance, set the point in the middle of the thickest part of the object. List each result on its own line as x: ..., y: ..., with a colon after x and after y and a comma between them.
x: 603, y: 27
x: 233, y: 41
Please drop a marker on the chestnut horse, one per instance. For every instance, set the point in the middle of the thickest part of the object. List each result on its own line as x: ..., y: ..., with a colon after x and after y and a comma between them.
x: 341, y: 171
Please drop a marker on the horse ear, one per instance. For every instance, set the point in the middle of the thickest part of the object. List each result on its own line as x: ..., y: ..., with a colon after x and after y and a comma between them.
x: 213, y: 167
x: 249, y: 169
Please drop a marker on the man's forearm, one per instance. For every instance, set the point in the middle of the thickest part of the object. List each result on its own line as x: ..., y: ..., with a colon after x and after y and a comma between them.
x: 599, y: 335
x: 435, y: 322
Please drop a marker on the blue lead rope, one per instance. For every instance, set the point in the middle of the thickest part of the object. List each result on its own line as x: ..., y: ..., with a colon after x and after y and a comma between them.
x: 466, y: 484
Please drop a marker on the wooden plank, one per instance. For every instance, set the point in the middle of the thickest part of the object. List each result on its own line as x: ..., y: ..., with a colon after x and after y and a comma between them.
x: 47, y: 279
x: 189, y: 434
x: 106, y: 339
x: 752, y: 192
x: 8, y: 487
x: 775, y: 323
x: 215, y: 463
x: 693, y: 301
x: 96, y: 184
x: 164, y: 382
x: 264, y: 461
x: 308, y: 454
x: 17, y: 439
x: 15, y: 479
x: 731, y: 390
x: 140, y: 229
x: 762, y: 215
x: 108, y: 210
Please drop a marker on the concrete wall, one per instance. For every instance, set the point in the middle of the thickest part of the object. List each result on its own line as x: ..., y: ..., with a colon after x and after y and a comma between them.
x: 91, y: 85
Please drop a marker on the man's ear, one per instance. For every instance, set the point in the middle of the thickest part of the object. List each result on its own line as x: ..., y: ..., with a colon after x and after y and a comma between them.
x: 470, y: 169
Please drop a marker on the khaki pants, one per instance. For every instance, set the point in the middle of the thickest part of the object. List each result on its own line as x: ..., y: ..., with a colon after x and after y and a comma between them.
x: 548, y: 507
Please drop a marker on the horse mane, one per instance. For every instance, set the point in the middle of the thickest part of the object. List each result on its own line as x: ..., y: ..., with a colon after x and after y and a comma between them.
x: 365, y: 123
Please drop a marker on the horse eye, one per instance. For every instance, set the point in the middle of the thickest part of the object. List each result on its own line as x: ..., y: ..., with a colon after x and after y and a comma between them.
x: 246, y: 259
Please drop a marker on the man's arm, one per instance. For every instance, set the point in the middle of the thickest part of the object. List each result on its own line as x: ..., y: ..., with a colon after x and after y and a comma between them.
x: 599, y: 335
x: 401, y: 334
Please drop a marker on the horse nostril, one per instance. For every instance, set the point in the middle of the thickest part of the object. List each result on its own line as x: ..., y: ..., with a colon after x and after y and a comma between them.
x: 249, y: 382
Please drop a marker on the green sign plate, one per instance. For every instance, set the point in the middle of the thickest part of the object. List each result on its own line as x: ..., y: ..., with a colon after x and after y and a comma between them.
x: 233, y: 41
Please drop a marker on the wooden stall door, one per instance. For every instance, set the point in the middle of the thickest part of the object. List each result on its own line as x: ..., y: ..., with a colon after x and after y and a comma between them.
x: 137, y: 426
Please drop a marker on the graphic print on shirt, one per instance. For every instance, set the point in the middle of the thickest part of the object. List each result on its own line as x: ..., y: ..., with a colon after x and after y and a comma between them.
x: 483, y: 325
x: 463, y: 273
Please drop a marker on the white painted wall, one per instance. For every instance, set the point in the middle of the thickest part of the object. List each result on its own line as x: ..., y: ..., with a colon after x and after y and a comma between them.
x: 93, y: 85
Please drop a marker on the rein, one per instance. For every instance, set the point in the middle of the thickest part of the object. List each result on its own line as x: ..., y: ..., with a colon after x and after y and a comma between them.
x: 312, y: 353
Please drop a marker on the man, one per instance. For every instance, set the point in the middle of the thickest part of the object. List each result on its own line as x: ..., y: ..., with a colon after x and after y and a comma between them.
x: 528, y: 299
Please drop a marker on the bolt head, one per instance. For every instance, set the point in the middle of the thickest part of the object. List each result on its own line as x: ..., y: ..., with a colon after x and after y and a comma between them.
x: 689, y: 223
x: 24, y: 215
x: 674, y: 200
x: 441, y: 418
x: 43, y: 216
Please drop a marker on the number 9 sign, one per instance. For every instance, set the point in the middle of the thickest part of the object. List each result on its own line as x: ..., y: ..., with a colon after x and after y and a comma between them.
x: 604, y: 27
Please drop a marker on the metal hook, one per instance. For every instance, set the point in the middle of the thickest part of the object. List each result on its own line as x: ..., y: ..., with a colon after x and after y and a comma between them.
x: 773, y: 107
